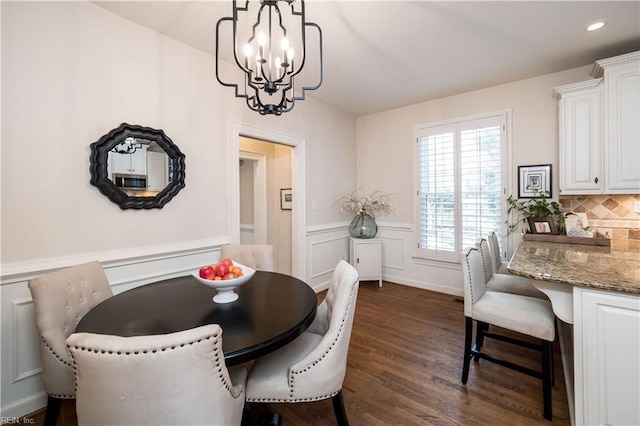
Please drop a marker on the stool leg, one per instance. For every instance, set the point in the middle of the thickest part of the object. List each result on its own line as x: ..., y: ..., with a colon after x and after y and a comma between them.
x: 553, y: 368
x: 481, y: 329
x: 468, y: 335
x: 547, y: 368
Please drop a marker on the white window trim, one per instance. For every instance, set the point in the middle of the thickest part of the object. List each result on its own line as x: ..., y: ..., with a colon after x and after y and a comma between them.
x: 507, y: 182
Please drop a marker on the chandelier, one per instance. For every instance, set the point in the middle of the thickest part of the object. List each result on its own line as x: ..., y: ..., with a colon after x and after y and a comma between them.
x: 269, y: 46
x: 127, y: 146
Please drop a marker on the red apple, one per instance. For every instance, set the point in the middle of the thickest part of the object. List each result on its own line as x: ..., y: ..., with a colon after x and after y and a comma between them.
x: 227, y: 262
x: 207, y: 272
x: 221, y: 269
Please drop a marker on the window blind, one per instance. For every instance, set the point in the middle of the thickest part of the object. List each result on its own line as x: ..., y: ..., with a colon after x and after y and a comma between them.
x: 460, y: 180
x: 437, y: 189
x: 481, y: 183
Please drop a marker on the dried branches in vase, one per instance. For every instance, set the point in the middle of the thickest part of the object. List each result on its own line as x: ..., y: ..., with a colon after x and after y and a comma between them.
x: 364, y: 224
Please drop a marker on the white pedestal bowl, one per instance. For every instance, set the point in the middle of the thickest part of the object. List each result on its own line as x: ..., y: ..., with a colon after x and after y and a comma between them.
x: 225, y: 287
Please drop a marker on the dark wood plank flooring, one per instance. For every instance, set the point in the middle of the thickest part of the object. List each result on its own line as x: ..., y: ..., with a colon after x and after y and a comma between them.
x: 404, y: 368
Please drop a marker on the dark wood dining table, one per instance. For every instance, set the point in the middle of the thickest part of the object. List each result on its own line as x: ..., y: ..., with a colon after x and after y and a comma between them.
x: 271, y: 311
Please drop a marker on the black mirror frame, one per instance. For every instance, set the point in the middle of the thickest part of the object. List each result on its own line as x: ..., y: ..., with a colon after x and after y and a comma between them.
x: 99, y: 159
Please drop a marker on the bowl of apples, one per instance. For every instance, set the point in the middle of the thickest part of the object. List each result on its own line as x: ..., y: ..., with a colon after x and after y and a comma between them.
x: 224, y: 276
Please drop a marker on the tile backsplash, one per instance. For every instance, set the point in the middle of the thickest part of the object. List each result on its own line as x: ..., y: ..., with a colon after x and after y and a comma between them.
x: 611, y: 215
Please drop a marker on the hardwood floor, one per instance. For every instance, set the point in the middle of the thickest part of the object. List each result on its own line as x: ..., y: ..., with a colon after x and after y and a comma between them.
x: 404, y: 368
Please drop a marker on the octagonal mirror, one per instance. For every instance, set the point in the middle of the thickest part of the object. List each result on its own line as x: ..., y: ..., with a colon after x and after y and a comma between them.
x: 137, y: 167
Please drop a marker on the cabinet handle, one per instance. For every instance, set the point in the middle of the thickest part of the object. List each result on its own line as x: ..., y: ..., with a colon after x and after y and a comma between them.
x: 595, y: 180
x: 357, y: 260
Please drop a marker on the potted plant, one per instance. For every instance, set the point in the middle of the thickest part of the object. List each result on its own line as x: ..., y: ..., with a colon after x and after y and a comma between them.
x: 538, y: 209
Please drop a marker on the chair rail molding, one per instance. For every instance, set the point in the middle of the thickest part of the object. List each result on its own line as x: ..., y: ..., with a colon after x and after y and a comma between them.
x: 22, y: 390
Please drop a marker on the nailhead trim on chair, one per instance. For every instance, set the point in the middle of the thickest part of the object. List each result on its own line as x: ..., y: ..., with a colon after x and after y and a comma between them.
x: 59, y: 396
x: 316, y: 362
x: 469, y: 272
x: 482, y: 258
x: 293, y: 373
x: 319, y: 398
x: 54, y: 353
x: 227, y: 383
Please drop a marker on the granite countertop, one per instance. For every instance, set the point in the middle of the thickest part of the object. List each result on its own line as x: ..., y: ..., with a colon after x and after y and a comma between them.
x: 606, y: 268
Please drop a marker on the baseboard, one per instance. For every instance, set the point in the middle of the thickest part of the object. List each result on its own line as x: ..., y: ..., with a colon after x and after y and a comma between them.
x: 423, y: 285
x: 14, y: 413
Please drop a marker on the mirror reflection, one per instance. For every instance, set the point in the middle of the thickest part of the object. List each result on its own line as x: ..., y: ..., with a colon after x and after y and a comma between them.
x: 139, y: 167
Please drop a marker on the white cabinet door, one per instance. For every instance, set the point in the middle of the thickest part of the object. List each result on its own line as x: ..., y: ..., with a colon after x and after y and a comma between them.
x: 119, y: 163
x: 134, y: 164
x: 607, y: 357
x: 622, y: 123
x: 366, y: 257
x: 139, y: 161
x: 581, y: 138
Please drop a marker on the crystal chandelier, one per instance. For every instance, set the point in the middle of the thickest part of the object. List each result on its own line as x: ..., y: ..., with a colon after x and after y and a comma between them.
x: 269, y: 46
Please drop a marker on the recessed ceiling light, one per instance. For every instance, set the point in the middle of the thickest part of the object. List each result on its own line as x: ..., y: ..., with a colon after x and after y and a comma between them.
x: 595, y: 26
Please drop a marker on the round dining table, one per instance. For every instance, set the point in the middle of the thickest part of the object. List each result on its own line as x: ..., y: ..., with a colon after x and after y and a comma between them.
x: 271, y: 311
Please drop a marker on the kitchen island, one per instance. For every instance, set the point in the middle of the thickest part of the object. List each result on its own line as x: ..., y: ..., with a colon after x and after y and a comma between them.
x: 595, y: 292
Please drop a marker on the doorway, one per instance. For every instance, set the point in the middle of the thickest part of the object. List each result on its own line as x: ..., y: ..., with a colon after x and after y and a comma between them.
x: 295, y: 161
x: 265, y: 171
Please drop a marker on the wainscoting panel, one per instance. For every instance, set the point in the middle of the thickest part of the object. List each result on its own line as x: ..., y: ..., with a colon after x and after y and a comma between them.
x: 26, y: 360
x: 22, y: 390
x: 393, y: 254
x: 326, y: 246
x: 399, y: 265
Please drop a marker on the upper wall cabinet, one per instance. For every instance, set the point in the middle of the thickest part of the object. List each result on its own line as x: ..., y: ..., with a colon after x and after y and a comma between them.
x: 600, y: 130
x: 621, y: 122
x: 581, y: 138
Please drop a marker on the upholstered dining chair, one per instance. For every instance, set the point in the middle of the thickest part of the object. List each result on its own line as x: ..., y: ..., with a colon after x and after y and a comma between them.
x: 507, y: 283
x: 313, y: 366
x: 166, y: 379
x: 499, y: 267
x: 522, y: 314
x: 256, y: 256
x: 61, y: 299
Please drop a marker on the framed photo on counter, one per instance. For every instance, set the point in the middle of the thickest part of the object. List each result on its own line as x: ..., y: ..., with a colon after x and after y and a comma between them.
x: 542, y: 225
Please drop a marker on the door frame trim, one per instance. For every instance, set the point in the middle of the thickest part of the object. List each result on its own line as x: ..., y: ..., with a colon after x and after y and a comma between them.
x: 259, y: 194
x: 298, y: 219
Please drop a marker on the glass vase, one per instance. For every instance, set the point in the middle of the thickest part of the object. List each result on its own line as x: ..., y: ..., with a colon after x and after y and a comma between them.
x: 363, y: 225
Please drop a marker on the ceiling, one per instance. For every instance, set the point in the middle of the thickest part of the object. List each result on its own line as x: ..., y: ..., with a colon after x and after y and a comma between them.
x: 380, y: 55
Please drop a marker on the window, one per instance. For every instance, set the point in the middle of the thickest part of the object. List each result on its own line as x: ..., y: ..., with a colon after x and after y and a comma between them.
x: 460, y: 180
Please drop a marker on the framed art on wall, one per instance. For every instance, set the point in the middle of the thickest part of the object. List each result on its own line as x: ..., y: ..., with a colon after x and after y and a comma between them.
x: 286, y: 199
x: 533, y: 180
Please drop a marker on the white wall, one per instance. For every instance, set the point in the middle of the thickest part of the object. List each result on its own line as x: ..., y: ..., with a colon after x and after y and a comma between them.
x: 71, y: 72
x: 385, y: 160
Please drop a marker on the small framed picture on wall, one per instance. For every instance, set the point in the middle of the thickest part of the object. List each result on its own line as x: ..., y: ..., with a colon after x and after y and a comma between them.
x: 286, y: 199
x: 534, y: 180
